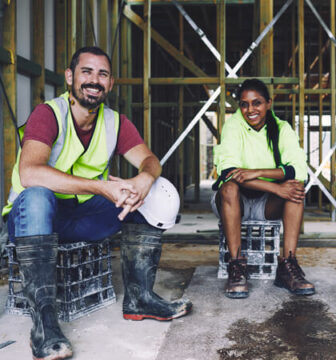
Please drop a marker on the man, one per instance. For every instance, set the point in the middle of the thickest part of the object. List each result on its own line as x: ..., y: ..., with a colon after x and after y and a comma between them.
x: 61, y: 190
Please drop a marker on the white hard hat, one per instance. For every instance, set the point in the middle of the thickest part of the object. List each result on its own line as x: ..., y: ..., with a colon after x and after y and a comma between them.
x: 161, y: 205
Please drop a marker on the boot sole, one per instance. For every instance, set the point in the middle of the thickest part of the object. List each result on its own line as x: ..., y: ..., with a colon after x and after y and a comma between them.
x: 304, y: 292
x: 139, y: 317
x: 66, y: 354
x: 237, y: 295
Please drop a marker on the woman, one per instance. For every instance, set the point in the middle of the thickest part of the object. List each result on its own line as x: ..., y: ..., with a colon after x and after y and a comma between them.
x: 262, y: 170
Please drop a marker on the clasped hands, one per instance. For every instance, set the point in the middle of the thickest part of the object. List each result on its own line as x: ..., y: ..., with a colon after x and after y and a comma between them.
x: 130, y: 193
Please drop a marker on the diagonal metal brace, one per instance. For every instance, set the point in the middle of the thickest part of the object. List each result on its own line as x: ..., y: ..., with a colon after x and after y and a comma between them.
x: 322, y: 187
x: 258, y: 39
x: 202, y: 35
x: 319, y: 169
x: 325, y: 27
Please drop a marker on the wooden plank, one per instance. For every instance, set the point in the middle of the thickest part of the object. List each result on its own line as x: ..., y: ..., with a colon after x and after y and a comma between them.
x: 266, y: 45
x: 28, y: 67
x: 9, y: 77
x: 175, y: 53
x: 126, y: 91
x: 147, y: 72
x: 180, y: 125
x: 221, y: 35
x: 301, y: 69
x: 53, y: 78
x: 115, y: 51
x: 203, y: 80
x: 38, y: 51
x: 90, y: 36
x: 190, y: 2
x: 320, y: 69
x: 103, y: 14
x: 333, y: 100
x: 60, y: 34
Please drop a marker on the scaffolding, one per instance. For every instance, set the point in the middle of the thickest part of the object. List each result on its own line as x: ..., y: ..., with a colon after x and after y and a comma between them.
x: 174, y: 60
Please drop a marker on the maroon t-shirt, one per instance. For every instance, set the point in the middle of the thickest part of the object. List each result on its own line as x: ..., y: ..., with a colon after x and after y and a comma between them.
x: 42, y: 126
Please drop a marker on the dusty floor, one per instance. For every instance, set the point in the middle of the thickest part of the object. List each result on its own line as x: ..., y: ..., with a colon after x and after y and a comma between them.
x: 185, y: 256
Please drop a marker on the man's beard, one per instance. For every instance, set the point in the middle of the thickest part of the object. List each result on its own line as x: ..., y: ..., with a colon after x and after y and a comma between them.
x: 90, y: 102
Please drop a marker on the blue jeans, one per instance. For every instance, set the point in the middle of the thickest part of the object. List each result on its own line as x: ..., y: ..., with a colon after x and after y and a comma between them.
x: 37, y: 211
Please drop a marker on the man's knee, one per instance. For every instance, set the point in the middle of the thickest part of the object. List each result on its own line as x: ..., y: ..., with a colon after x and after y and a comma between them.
x: 38, y: 202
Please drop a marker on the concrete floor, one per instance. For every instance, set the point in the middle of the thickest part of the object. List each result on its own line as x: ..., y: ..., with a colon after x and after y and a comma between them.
x: 271, y: 324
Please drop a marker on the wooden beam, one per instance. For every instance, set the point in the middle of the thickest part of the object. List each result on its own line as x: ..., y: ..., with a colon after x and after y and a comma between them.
x: 222, y: 35
x: 301, y: 69
x: 266, y: 45
x: 147, y: 72
x: 167, y: 46
x: 38, y: 51
x: 320, y: 69
x: 203, y: 80
x: 90, y: 36
x: 115, y: 51
x: 180, y: 126
x: 103, y: 14
x: 60, y: 33
x: 333, y: 99
x: 190, y: 2
x: 9, y: 77
x: 126, y: 91
x: 293, y: 58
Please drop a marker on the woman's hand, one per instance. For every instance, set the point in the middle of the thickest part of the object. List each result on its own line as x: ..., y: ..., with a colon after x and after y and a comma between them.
x: 242, y: 175
x: 292, y: 190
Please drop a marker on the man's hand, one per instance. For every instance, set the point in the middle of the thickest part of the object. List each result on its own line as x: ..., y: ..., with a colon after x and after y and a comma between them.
x: 292, y: 190
x: 132, y: 200
x: 120, y: 191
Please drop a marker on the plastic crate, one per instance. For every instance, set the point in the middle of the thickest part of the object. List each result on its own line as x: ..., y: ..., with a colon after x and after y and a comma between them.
x: 260, y: 242
x: 84, y: 280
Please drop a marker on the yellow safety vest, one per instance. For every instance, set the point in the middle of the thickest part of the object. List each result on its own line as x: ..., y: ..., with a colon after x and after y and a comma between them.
x: 68, y: 153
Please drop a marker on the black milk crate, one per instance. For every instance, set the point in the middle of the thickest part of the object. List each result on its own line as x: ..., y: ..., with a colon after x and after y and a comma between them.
x: 260, y: 242
x: 84, y: 280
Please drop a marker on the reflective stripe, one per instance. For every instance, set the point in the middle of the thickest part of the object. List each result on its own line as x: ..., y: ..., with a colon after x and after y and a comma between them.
x: 107, y: 128
x: 12, y: 195
x: 62, y: 110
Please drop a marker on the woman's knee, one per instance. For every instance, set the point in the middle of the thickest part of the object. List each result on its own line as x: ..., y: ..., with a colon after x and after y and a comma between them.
x: 229, y: 192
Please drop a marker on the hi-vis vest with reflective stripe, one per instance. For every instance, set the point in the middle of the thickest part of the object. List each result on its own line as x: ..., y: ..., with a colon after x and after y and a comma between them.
x: 68, y: 154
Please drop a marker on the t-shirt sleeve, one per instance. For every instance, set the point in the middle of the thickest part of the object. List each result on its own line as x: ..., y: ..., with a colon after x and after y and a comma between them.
x: 41, y: 125
x: 128, y: 136
x: 228, y: 153
x: 291, y: 152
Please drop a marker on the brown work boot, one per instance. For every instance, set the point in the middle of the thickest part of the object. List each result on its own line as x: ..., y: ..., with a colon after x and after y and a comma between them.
x: 236, y: 286
x: 290, y: 276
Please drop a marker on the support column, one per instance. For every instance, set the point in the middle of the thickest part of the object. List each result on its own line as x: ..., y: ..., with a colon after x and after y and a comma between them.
x: 301, y: 69
x: 90, y: 35
x: 126, y: 90
x: 320, y: 70
x: 115, y: 52
x: 222, y: 22
x: 180, y: 119
x: 38, y: 50
x: 9, y: 77
x: 333, y: 101
x: 147, y: 72
x: 293, y: 41
x: 60, y: 33
x: 103, y: 14
x: 266, y: 45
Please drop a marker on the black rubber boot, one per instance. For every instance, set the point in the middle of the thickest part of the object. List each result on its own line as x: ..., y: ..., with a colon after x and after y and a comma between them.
x: 37, y: 259
x: 140, y: 256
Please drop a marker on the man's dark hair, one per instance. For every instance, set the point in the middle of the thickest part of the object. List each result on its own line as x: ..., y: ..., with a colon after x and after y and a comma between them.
x: 91, y: 50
